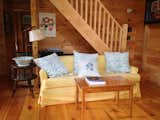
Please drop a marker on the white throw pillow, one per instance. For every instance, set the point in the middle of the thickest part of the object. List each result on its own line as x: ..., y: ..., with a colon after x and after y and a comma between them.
x: 117, y: 62
x: 88, y: 68
x: 78, y: 57
x: 52, y: 65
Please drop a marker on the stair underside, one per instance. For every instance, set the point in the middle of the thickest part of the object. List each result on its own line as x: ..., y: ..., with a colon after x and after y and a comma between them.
x: 80, y: 25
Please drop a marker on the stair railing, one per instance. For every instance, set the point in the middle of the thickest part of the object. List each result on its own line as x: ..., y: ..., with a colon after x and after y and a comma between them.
x: 96, y: 15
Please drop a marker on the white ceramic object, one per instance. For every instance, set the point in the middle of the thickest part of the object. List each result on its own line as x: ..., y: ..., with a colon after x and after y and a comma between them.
x: 23, y: 60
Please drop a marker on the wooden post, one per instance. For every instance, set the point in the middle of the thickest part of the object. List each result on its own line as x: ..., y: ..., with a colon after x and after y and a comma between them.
x: 124, y: 37
x: 35, y: 22
x: 146, y: 38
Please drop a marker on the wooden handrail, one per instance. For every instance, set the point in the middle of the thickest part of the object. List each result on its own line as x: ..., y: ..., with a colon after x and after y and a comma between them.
x: 97, y: 16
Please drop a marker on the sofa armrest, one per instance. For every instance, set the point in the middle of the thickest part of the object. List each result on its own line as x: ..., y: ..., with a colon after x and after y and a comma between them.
x: 43, y: 75
x: 134, y: 69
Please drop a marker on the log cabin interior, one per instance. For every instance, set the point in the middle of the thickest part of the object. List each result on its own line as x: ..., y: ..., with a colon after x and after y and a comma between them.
x: 82, y: 28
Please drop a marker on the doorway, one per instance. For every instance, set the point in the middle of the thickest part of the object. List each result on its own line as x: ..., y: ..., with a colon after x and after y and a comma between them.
x: 22, y: 21
x: 16, y: 14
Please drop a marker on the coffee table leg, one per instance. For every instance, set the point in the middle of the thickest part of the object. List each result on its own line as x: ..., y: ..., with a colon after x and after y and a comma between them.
x: 131, y: 100
x: 83, y: 101
x: 77, y: 96
x: 117, y: 97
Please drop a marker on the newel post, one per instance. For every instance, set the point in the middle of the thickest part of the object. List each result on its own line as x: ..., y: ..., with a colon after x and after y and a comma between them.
x: 124, y: 37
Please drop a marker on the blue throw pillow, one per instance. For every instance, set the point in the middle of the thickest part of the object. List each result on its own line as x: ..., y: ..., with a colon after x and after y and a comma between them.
x: 52, y: 65
x: 82, y: 57
x: 117, y: 62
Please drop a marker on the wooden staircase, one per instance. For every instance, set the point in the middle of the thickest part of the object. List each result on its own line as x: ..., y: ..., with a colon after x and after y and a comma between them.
x: 95, y: 23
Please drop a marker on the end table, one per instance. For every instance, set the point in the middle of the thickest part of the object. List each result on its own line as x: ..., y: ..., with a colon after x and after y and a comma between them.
x: 24, y: 73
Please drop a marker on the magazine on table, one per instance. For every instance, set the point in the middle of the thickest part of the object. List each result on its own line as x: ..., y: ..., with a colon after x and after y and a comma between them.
x: 91, y: 81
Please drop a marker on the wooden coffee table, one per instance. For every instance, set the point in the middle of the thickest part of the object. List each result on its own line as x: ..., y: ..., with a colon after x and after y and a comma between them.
x: 116, y: 84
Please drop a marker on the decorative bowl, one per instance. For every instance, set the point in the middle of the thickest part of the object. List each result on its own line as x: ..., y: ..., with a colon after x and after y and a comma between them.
x: 23, y: 60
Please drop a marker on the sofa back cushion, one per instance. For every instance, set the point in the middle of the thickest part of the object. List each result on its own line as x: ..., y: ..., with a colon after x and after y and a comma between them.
x: 101, y: 64
x: 68, y: 62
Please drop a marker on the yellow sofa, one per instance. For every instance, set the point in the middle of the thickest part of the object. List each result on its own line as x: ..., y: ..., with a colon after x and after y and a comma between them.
x: 60, y: 90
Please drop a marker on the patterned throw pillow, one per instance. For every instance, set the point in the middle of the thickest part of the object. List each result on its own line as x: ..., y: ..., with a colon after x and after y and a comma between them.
x: 88, y: 68
x: 117, y: 62
x: 52, y: 65
x: 80, y: 58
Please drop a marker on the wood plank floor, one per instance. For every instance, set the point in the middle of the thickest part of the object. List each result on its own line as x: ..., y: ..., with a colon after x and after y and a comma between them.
x: 24, y: 107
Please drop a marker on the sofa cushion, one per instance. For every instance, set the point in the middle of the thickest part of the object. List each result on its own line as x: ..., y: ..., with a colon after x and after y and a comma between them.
x: 52, y: 65
x: 117, y: 62
x: 68, y: 61
x: 101, y: 64
x: 80, y: 57
x: 63, y: 81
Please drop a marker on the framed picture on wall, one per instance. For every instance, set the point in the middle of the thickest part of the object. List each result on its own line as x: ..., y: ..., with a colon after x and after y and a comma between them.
x: 152, y: 11
x: 47, y: 23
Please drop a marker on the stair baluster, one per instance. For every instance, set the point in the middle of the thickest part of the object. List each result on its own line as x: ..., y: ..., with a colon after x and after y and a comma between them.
x: 91, y: 14
x: 103, y: 26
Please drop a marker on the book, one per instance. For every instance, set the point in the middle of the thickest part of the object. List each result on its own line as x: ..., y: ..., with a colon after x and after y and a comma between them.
x: 94, y: 81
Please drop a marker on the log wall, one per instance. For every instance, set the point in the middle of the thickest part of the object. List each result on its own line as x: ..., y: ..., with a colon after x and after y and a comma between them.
x: 3, y: 55
x: 151, y: 56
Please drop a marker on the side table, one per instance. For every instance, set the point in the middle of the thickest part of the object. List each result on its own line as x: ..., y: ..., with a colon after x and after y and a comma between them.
x: 24, y: 73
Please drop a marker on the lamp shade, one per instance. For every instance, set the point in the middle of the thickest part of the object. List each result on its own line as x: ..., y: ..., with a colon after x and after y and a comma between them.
x: 36, y: 35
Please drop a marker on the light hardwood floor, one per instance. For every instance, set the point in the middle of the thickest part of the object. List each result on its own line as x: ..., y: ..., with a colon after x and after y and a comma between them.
x: 24, y: 107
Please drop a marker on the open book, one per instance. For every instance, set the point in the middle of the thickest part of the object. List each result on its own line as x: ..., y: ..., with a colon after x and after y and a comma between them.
x: 94, y: 81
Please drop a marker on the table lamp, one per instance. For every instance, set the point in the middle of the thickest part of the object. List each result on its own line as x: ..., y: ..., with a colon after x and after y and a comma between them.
x: 36, y: 35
